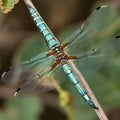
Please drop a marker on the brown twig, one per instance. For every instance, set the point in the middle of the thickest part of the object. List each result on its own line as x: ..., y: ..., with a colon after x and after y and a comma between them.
x: 100, y: 113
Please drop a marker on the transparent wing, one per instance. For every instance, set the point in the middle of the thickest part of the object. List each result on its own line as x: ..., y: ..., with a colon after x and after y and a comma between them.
x: 49, y: 79
x: 82, y: 37
x: 19, y: 72
x: 35, y: 73
x: 91, y: 61
x: 38, y: 80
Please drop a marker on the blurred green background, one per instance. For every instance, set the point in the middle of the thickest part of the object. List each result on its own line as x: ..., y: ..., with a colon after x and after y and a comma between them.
x: 20, y: 39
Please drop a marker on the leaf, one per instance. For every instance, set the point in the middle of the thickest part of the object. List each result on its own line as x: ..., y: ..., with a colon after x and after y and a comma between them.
x: 7, y: 5
x: 21, y: 109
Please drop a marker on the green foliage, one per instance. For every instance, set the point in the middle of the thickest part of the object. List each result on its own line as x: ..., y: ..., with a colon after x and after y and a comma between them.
x: 21, y: 109
x: 7, y: 5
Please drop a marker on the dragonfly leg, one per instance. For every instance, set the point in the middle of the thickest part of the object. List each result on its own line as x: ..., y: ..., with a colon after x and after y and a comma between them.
x: 55, y: 64
x: 71, y: 57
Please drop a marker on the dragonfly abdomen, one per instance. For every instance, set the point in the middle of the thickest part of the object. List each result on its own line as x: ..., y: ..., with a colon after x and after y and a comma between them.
x: 76, y: 83
x: 50, y: 38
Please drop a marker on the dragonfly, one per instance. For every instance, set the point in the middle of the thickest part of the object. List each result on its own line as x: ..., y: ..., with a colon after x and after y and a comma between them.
x: 53, y: 64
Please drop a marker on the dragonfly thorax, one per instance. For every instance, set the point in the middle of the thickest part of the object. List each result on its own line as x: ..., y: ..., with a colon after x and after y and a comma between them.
x: 59, y: 52
x: 60, y: 55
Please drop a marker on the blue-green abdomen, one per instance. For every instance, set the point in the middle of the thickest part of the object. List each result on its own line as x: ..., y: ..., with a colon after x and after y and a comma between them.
x: 73, y: 79
x: 76, y: 83
x: 43, y: 28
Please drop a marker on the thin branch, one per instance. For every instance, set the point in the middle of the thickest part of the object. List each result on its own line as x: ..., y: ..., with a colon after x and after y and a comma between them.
x: 100, y: 113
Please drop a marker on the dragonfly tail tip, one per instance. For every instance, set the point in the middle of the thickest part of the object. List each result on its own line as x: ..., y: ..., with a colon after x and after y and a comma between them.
x: 93, y: 105
x: 96, y: 108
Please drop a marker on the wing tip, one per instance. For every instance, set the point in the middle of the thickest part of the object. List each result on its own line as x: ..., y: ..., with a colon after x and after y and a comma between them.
x: 5, y: 72
x: 99, y: 7
x: 118, y: 36
x: 15, y: 94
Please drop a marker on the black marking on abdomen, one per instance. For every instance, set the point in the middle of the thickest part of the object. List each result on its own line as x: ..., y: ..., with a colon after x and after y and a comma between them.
x: 76, y: 83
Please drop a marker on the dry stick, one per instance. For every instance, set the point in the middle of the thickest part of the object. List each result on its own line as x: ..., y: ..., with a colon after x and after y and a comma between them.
x: 100, y: 111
